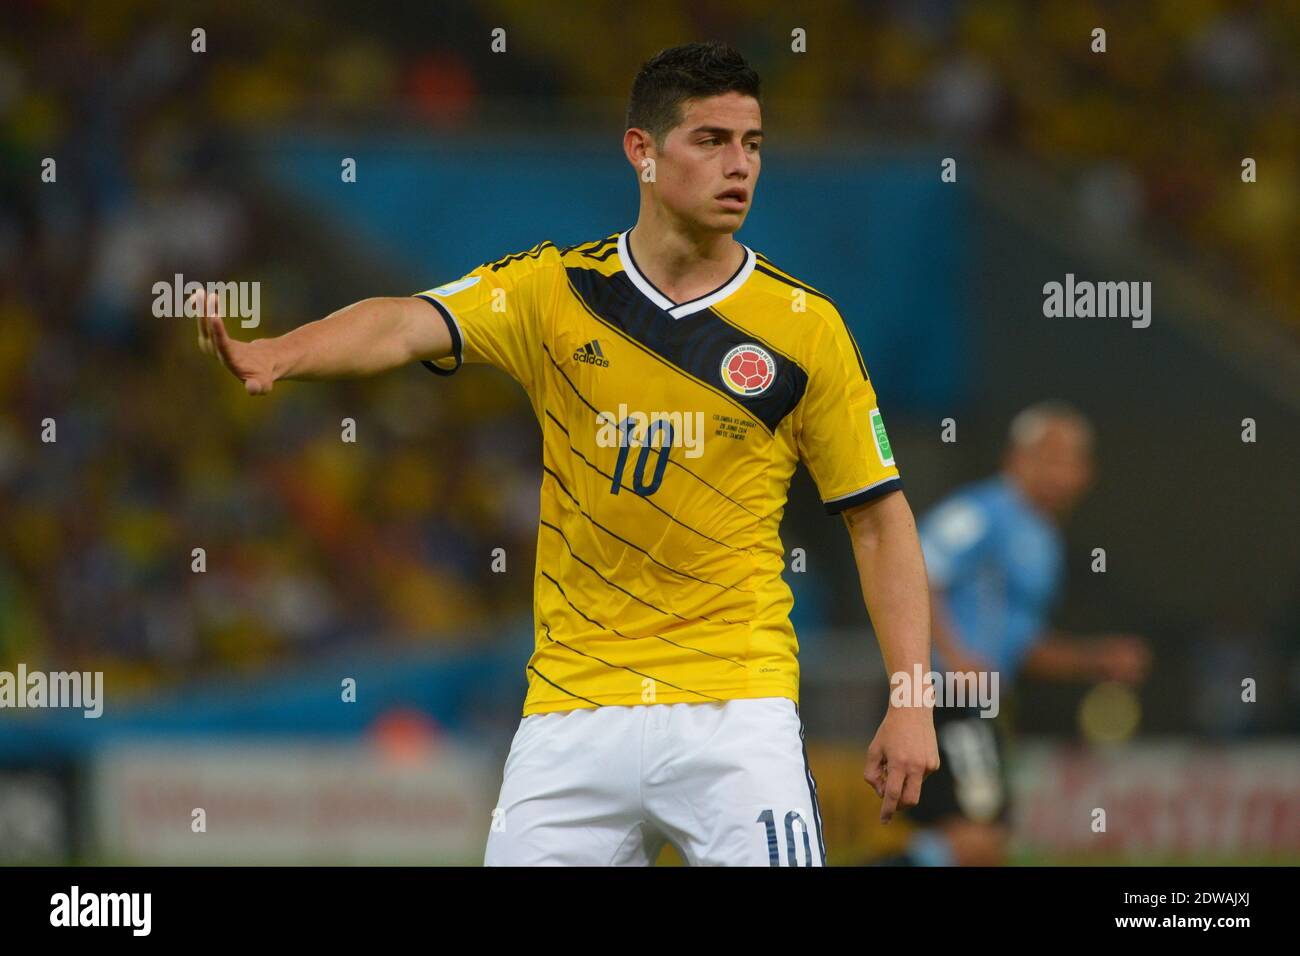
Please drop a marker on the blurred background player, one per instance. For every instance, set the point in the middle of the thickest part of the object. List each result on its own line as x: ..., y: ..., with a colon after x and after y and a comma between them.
x: 995, y: 557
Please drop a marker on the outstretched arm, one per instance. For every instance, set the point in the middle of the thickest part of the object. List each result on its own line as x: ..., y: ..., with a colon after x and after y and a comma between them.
x: 364, y: 338
x: 892, y: 573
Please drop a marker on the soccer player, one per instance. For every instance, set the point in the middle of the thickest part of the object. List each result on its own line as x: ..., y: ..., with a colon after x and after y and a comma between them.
x: 678, y: 377
x: 994, y: 555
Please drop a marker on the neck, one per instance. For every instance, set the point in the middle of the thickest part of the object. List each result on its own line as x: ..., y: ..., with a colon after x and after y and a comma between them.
x: 682, y: 263
x: 1034, y: 501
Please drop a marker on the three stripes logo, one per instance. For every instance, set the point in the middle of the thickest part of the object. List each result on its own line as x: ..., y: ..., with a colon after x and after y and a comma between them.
x: 590, y: 354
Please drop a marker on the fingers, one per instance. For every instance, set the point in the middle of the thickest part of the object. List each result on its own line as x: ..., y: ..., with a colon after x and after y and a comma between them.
x: 899, y: 784
x: 216, y: 341
x: 893, y: 793
x: 902, y: 790
x: 217, y: 330
x: 911, y: 790
x: 875, y: 771
x: 205, y: 340
x: 211, y: 328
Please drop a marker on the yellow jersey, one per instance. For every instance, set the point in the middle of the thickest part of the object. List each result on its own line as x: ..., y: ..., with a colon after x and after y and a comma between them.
x: 670, y: 434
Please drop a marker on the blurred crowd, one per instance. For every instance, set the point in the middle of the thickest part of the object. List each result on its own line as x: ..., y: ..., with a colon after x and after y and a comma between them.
x: 392, y: 537
x: 1151, y: 133
x: 123, y: 451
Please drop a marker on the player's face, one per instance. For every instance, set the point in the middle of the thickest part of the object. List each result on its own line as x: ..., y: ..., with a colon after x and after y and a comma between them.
x: 1057, y: 469
x: 708, y: 168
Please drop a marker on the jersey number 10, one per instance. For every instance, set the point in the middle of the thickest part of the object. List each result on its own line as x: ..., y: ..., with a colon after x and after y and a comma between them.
x: 657, y: 427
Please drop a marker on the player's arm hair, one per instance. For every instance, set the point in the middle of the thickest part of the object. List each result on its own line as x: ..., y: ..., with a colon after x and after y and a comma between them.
x: 892, y: 574
x: 364, y: 338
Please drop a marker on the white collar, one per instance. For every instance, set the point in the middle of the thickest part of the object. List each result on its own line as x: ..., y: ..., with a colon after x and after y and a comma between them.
x: 677, y: 311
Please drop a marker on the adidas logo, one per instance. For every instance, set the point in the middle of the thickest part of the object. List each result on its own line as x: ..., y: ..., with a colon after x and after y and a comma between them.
x: 591, y: 354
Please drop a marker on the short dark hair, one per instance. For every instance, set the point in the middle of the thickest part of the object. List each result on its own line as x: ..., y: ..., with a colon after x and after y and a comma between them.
x: 686, y: 72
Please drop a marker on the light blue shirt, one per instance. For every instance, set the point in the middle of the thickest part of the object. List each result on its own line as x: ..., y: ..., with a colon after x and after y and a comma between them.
x: 1000, y: 564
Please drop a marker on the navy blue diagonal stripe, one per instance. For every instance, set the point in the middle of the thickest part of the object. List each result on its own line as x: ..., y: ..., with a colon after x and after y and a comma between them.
x: 693, y: 344
x: 577, y: 394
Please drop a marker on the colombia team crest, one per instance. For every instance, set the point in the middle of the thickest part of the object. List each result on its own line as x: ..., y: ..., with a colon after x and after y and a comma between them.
x: 748, y: 370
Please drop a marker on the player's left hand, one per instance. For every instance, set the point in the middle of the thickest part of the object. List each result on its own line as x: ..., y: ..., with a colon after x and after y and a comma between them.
x: 902, y: 754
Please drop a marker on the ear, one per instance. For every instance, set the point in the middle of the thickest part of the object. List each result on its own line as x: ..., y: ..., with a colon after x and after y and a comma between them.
x: 638, y: 145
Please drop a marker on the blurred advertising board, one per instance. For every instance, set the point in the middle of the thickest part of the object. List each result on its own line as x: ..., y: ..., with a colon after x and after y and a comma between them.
x: 1164, y: 801
x: 289, y: 803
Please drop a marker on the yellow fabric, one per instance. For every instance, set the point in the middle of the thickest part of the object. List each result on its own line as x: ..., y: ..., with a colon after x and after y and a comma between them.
x: 673, y: 594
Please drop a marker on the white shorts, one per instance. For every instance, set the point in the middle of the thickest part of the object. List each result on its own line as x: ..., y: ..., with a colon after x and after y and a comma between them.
x: 727, y: 783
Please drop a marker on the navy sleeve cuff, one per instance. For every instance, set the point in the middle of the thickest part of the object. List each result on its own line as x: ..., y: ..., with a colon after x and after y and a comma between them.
x: 862, y: 497
x: 457, y: 346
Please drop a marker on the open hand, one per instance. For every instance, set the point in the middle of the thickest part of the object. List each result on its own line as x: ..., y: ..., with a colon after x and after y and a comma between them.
x: 250, y: 362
